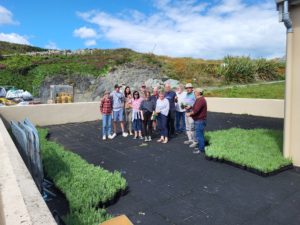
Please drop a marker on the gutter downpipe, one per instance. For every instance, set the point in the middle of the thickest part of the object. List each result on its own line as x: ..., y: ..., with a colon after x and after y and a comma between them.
x: 288, y: 82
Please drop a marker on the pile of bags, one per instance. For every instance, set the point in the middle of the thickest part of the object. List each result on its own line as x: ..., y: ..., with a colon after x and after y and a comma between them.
x: 14, y: 96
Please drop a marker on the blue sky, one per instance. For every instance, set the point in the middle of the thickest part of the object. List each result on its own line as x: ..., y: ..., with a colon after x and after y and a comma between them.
x: 190, y: 28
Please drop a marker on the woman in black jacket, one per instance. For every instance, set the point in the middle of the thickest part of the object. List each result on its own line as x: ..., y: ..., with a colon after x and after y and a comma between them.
x: 147, y: 107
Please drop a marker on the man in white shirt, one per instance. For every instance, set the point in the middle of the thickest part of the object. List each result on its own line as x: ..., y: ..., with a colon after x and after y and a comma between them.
x: 180, y: 109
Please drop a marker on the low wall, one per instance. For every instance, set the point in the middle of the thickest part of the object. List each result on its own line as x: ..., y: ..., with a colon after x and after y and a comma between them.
x: 21, y: 202
x: 51, y: 114
x: 256, y: 107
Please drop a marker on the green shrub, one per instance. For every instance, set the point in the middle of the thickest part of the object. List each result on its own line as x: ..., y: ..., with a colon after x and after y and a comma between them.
x: 84, y: 185
x: 264, y: 91
x: 267, y: 70
x: 238, y: 69
x: 260, y: 149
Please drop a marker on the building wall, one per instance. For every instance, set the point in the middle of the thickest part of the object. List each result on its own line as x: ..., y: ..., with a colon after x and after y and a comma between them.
x: 292, y: 107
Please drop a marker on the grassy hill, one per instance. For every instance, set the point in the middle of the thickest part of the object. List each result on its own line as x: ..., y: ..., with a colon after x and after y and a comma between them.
x: 27, y: 72
x: 7, y: 48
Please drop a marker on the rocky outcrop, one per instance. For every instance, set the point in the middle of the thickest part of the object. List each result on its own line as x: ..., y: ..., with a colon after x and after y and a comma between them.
x: 90, y: 88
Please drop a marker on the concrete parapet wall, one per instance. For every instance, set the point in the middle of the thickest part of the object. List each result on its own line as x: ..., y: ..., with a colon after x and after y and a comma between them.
x: 51, y: 114
x: 256, y: 107
x: 21, y: 202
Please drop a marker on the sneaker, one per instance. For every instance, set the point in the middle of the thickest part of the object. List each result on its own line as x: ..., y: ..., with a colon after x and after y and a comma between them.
x: 149, y: 138
x: 125, y: 134
x: 187, y: 142
x: 196, y: 151
x: 104, y: 138
x: 193, y: 145
x: 146, y: 139
x: 165, y: 141
x: 160, y: 140
x: 135, y: 137
x: 130, y: 133
x: 141, y: 137
x: 112, y: 136
x: 201, y: 151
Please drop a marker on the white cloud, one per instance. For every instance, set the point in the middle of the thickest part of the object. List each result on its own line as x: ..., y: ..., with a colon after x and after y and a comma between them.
x: 84, y: 32
x: 6, y: 16
x: 51, y: 45
x: 89, y: 43
x: 190, y: 28
x: 14, y: 38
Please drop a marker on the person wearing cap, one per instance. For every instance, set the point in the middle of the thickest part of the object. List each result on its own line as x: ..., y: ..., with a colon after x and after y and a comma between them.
x: 171, y: 96
x: 118, y: 110
x: 188, y: 103
x: 180, y: 110
x: 199, y: 115
x: 154, y: 97
x: 106, y: 111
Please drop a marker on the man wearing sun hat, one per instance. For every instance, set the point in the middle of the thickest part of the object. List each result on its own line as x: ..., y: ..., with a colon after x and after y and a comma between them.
x: 199, y: 115
x: 188, y: 103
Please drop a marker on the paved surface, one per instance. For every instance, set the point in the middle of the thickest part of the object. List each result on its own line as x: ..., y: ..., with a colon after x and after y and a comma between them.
x: 170, y: 185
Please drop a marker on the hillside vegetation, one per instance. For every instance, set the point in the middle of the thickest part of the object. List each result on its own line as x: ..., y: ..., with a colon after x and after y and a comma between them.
x: 7, y: 48
x: 28, y: 72
x: 266, y: 91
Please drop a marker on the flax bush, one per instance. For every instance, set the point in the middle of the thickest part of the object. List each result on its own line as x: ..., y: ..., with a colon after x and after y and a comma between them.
x: 238, y: 69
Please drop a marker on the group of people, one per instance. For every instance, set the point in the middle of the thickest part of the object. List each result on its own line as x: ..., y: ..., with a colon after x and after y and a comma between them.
x: 141, y: 112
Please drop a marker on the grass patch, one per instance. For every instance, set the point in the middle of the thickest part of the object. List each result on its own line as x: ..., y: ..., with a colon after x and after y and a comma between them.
x: 85, y: 186
x: 266, y: 91
x: 260, y: 149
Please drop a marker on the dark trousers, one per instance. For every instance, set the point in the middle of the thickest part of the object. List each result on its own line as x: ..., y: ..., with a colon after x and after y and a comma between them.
x: 162, y: 124
x: 171, y: 122
x: 147, y: 124
x: 137, y: 125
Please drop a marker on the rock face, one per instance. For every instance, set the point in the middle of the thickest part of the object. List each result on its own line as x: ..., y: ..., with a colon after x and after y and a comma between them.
x: 89, y: 88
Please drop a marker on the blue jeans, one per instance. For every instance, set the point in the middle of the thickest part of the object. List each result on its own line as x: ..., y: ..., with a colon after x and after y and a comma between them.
x: 106, y: 124
x: 137, y: 125
x: 199, y: 127
x: 180, y: 116
x: 163, y: 124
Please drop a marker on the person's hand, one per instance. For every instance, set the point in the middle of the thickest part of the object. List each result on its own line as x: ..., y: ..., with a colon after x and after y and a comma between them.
x: 188, y: 114
x: 157, y: 111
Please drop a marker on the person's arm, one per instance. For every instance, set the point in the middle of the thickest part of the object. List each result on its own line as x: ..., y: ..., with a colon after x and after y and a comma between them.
x: 101, y: 105
x: 156, y: 107
x: 142, y: 105
x: 167, y: 106
x: 197, y: 107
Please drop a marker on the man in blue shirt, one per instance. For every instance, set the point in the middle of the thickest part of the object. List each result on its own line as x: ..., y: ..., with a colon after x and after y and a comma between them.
x: 171, y: 96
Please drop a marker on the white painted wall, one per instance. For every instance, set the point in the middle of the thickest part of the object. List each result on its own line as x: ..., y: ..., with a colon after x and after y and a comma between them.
x: 21, y: 202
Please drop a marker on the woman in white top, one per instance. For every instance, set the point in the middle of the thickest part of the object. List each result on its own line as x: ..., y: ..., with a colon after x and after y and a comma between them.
x: 162, y: 111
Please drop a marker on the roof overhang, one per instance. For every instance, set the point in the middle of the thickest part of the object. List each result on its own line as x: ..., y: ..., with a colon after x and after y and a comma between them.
x: 291, y: 2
